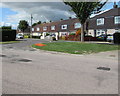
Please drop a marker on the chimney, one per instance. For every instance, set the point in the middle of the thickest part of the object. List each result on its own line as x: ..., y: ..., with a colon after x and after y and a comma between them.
x: 115, y: 5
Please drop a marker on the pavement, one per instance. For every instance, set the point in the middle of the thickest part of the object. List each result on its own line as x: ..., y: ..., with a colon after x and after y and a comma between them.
x: 26, y: 70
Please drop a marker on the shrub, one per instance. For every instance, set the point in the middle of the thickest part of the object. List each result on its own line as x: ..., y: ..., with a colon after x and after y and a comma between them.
x: 116, y: 37
x: 47, y: 34
x: 53, y: 38
x: 78, y: 32
x: 7, y: 34
x: 72, y: 34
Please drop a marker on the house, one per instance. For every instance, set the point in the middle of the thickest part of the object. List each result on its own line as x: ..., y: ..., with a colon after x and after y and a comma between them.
x: 107, y: 22
x: 58, y: 28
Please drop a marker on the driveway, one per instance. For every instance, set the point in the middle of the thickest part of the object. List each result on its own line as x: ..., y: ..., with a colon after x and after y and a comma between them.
x: 31, y: 71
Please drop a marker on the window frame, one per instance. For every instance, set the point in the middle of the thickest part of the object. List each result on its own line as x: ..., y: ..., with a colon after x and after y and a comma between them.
x: 66, y: 26
x: 100, y: 32
x: 37, y: 29
x: 77, y: 25
x: 52, y: 27
x: 118, y: 22
x: 45, y: 28
x: 102, y: 21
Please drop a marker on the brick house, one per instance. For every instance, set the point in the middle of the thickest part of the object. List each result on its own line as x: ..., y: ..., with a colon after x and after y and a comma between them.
x: 59, y: 28
x: 107, y: 22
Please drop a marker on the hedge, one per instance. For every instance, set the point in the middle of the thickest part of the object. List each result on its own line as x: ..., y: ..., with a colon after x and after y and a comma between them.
x: 7, y: 35
x: 116, y: 37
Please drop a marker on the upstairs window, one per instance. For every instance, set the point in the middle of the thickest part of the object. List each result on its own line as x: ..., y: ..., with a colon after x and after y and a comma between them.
x: 64, y: 27
x: 38, y: 29
x: 100, y: 21
x: 44, y: 28
x: 77, y: 25
x: 52, y: 27
x: 117, y: 19
x: 32, y: 29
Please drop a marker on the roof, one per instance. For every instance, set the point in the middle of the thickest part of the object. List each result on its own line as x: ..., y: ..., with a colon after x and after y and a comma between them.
x: 57, y: 22
x: 111, y: 12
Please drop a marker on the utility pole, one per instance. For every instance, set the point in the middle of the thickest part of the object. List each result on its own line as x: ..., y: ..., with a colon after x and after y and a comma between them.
x: 31, y: 25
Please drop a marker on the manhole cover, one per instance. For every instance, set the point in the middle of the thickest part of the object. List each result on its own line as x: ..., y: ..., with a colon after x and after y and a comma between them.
x: 32, y: 50
x: 103, y: 68
x: 112, y: 55
x: 3, y: 56
x: 25, y: 60
x: 10, y: 47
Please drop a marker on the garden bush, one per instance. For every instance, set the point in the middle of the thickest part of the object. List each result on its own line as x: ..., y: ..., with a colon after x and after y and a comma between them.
x: 116, y: 37
x: 7, y: 34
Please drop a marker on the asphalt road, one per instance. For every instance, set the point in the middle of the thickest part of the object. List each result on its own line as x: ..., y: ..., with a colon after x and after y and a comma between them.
x: 29, y: 71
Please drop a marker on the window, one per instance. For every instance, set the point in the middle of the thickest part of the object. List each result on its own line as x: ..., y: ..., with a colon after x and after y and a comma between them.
x: 100, y: 32
x: 77, y: 25
x: 44, y: 28
x: 38, y: 29
x: 52, y: 27
x: 117, y: 19
x: 100, y: 21
x: 32, y: 29
x: 64, y: 27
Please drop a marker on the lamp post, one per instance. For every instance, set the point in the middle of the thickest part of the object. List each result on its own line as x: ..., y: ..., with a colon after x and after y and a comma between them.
x: 31, y: 26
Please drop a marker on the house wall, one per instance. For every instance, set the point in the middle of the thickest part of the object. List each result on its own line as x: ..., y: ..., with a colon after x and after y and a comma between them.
x: 110, y: 31
x: 109, y: 24
x: 91, y: 32
x: 70, y: 27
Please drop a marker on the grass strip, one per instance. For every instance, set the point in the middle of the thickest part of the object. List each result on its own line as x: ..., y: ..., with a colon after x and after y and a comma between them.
x: 77, y: 47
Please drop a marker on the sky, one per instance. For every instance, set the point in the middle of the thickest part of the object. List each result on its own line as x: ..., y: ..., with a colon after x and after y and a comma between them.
x: 13, y: 12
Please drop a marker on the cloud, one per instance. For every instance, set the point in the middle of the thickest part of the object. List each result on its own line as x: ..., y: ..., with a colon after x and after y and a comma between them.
x: 41, y: 11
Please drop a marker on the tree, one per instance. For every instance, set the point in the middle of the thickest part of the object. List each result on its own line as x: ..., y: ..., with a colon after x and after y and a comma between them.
x: 23, y: 25
x: 61, y: 19
x: 34, y: 24
x: 83, y: 10
x: 39, y: 22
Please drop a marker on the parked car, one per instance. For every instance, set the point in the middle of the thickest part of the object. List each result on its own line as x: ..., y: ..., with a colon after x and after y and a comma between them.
x: 19, y: 36
x: 102, y: 37
x: 109, y: 37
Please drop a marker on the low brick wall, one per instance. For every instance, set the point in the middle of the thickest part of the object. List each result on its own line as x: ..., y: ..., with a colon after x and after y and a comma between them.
x: 73, y: 37
x: 77, y: 38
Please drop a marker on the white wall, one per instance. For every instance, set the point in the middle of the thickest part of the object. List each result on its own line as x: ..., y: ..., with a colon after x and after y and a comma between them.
x: 43, y: 35
x: 91, y: 32
x: 110, y: 31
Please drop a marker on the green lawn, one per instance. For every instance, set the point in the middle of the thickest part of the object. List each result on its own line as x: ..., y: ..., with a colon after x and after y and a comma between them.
x: 9, y: 42
x: 77, y: 47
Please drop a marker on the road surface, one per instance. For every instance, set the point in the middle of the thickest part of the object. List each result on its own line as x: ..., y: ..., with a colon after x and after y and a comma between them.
x: 31, y: 71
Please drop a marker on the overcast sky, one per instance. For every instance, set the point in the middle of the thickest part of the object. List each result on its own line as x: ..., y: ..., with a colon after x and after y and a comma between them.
x: 13, y: 12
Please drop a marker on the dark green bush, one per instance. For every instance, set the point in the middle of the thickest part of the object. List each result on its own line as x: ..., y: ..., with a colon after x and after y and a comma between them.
x: 72, y: 34
x: 7, y: 34
x: 116, y: 37
x: 47, y: 34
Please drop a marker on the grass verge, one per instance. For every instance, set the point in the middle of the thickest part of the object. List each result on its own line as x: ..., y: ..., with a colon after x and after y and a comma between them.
x: 9, y: 42
x: 77, y: 47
